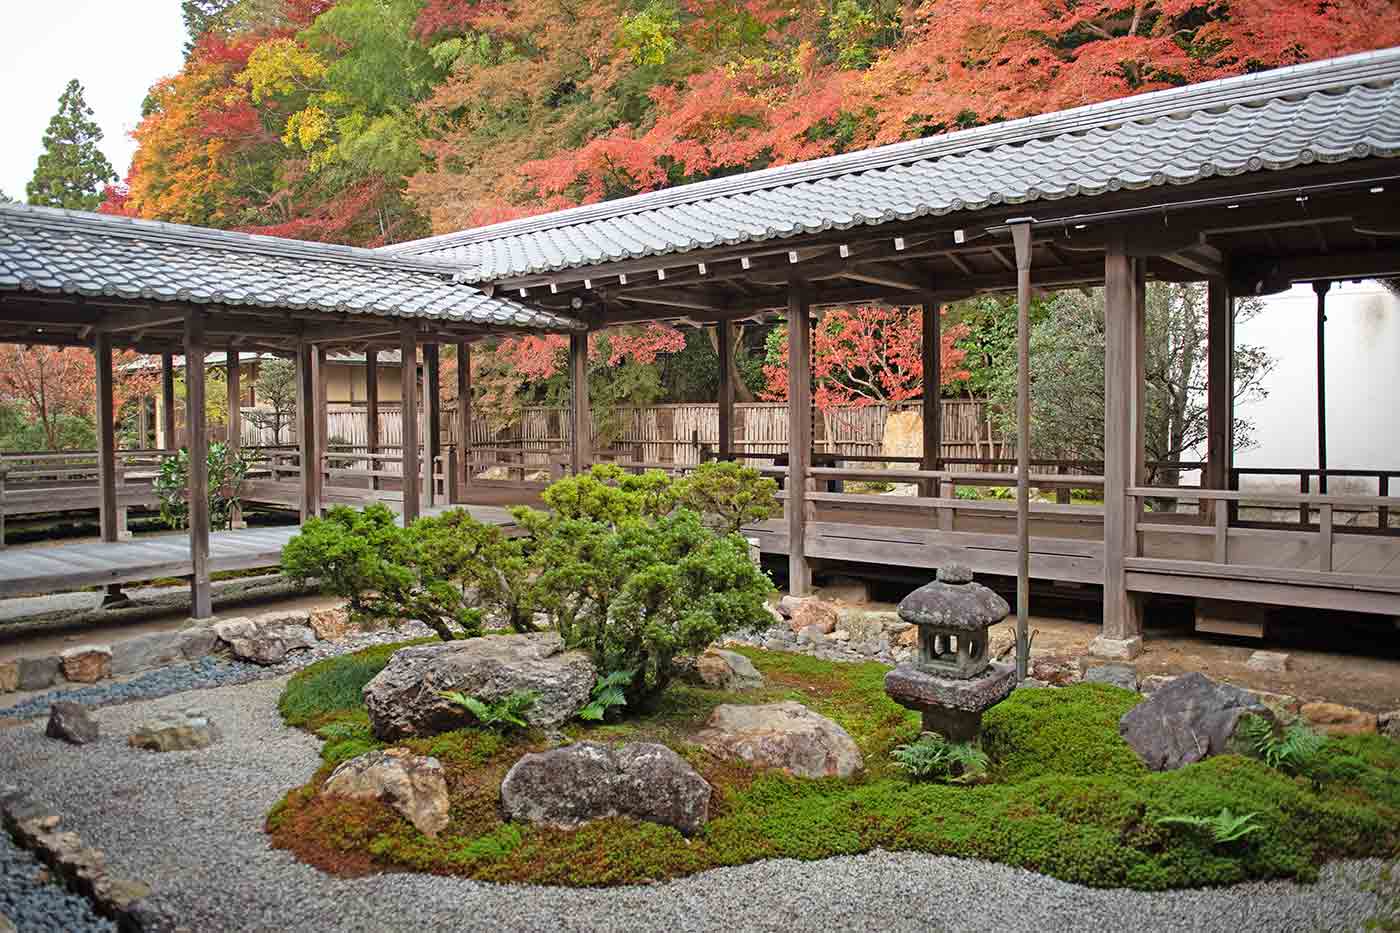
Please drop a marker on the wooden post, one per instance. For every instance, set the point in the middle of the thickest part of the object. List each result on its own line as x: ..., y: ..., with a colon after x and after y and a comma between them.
x: 932, y: 403
x: 408, y: 384
x: 306, y: 430
x: 200, y: 606
x: 581, y: 419
x: 235, y: 422
x: 106, y: 437
x: 1219, y: 384
x: 432, y: 400
x: 799, y: 433
x: 168, y: 440
x: 321, y: 405
x: 463, y: 473
x: 372, y: 411
x: 1123, y: 370
x: 1021, y: 237
x: 724, y: 331
x: 1321, y: 289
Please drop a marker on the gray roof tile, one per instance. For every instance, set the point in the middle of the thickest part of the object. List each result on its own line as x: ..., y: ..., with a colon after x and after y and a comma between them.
x: 94, y: 254
x: 1329, y: 111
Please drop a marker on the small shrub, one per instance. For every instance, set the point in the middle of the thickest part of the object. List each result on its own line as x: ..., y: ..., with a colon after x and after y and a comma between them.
x: 227, y: 471
x: 1223, y: 828
x: 934, y: 758
x: 609, y: 494
x: 353, y: 554
x: 736, y: 495
x: 505, y: 713
x: 454, y: 548
x: 607, y: 696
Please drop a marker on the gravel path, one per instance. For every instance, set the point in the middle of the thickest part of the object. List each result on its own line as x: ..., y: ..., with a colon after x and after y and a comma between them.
x: 36, y: 905
x: 190, y: 825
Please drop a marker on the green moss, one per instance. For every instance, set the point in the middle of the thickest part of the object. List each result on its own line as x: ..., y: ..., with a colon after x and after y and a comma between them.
x: 1067, y: 798
x: 323, y: 690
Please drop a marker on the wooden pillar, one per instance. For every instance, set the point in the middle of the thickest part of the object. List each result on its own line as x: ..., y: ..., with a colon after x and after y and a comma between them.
x: 1021, y: 237
x: 432, y: 400
x: 372, y: 411
x: 581, y: 419
x: 106, y: 438
x: 235, y: 421
x: 408, y: 384
x: 200, y: 607
x: 168, y: 438
x: 306, y: 430
x: 1123, y: 375
x: 1220, y: 339
x: 799, y: 320
x: 724, y: 331
x: 932, y: 455
x: 464, y: 420
x: 321, y: 406
x: 1320, y: 288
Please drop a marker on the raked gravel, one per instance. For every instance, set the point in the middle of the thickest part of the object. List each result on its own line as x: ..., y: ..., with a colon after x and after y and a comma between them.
x: 190, y: 824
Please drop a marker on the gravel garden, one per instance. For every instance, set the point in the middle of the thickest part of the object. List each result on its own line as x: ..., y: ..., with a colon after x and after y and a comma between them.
x: 582, y: 728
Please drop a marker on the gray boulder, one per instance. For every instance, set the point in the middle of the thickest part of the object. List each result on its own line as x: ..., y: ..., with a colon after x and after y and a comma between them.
x: 266, y: 639
x: 1191, y: 718
x: 412, y: 784
x: 1119, y: 675
x: 728, y: 670
x: 72, y: 723
x: 405, y: 698
x: 38, y: 673
x: 783, y: 735
x: 567, y: 787
x: 156, y: 649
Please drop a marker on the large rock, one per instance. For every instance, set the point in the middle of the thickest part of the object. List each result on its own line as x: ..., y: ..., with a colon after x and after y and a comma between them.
x: 87, y: 664
x: 567, y: 787
x: 1388, y: 724
x: 1336, y: 719
x: 813, y: 611
x: 1191, y: 718
x: 405, y: 698
x: 727, y: 670
x: 781, y: 735
x: 266, y: 639
x: 38, y: 673
x: 157, y: 649
x: 72, y: 723
x: 412, y: 784
x: 187, y: 731
x: 332, y: 623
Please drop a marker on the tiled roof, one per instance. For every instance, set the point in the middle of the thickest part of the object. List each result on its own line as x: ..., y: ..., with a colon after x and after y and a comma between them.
x: 68, y: 252
x: 1330, y: 111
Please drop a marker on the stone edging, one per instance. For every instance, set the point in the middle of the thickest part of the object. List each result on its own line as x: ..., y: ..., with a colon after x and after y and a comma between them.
x: 34, y: 826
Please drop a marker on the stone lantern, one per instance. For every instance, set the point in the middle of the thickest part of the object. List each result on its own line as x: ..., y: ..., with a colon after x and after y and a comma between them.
x: 953, y: 681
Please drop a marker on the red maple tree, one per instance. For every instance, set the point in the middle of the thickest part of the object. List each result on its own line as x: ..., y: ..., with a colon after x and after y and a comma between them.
x: 51, y: 383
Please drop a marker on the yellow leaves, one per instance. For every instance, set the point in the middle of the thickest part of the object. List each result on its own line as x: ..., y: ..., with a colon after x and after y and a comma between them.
x: 306, y: 128
x: 279, y: 67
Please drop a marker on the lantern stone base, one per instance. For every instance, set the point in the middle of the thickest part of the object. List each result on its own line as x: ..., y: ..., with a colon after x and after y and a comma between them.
x: 952, y: 707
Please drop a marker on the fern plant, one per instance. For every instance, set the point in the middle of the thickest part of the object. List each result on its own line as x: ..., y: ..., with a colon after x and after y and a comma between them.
x: 1295, y: 751
x: 933, y: 757
x: 607, y: 695
x: 1224, y: 828
x: 508, y: 712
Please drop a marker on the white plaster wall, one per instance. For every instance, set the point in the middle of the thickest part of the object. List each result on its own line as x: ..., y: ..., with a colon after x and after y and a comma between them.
x: 1363, y: 380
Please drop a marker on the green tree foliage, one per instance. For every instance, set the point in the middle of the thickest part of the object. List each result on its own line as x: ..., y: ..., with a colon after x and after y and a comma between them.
x: 486, y: 566
x: 200, y: 17
x: 609, y: 495
x: 359, y: 555
x: 276, y: 392
x: 734, y: 494
x: 72, y: 171
x: 228, y: 468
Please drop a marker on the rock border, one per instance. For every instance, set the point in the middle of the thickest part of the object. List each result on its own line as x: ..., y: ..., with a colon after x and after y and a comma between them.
x: 34, y: 826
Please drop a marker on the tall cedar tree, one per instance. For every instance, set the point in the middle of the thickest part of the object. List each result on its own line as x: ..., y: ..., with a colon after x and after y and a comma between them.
x: 72, y: 171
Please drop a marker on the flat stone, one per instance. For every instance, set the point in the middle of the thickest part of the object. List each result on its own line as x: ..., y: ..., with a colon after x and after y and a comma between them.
x: 866, y: 626
x: 87, y: 664
x: 784, y: 735
x: 197, y: 641
x: 71, y: 722
x: 332, y: 623
x: 1191, y: 718
x: 569, y: 786
x: 186, y: 731
x: 1388, y: 724
x: 1272, y: 662
x: 1115, y: 649
x: 1056, y: 670
x: 1119, y: 675
x: 727, y: 670
x: 9, y: 676
x: 38, y: 673
x: 140, y: 652
x: 413, y: 785
x: 814, y: 612
x: 916, y: 689
x: 405, y: 698
x: 1336, y: 719
x: 267, y: 639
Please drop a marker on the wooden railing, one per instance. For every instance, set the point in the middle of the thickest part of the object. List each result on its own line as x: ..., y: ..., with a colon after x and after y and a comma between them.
x: 1307, y: 479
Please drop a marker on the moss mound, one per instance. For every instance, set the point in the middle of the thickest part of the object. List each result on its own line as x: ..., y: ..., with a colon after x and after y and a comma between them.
x: 1067, y: 797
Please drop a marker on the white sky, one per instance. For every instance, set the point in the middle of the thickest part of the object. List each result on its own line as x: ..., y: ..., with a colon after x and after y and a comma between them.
x: 116, y: 48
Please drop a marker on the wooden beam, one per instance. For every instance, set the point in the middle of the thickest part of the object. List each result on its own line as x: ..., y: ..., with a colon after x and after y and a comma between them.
x: 408, y: 385
x: 200, y: 597
x: 724, y: 333
x: 372, y: 406
x: 168, y: 440
x: 1201, y: 258
x: 1252, y: 275
x: 932, y: 401
x: 1320, y: 288
x: 902, y: 279
x: 106, y: 439
x: 464, y: 420
x: 1220, y: 330
x: 799, y: 434
x: 432, y: 400
x: 320, y: 381
x: 580, y: 414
